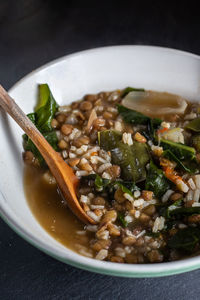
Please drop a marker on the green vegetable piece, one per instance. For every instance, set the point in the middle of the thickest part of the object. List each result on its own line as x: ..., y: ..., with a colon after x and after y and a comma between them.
x: 130, y: 89
x: 132, y: 116
x: 52, y: 139
x: 109, y: 139
x: 101, y: 183
x: 185, y: 239
x: 135, y: 117
x: 42, y: 118
x: 169, y: 155
x: 194, y: 125
x: 196, y: 142
x: 181, y: 151
x: 185, y: 211
x: 46, y: 108
x: 127, y: 186
x: 121, y: 220
x: 132, y: 159
x: 32, y: 117
x: 168, y: 211
x: 156, y: 181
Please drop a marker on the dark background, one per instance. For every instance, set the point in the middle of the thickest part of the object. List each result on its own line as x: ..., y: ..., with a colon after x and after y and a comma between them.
x: 34, y: 32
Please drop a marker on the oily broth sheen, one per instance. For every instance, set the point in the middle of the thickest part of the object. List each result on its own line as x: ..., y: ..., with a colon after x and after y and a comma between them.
x: 51, y: 211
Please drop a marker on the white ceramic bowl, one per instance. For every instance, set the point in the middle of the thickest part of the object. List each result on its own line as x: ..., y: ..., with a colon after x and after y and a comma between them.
x: 70, y: 78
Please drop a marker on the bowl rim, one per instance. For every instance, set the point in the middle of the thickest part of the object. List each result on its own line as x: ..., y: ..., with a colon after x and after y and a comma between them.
x: 74, y: 259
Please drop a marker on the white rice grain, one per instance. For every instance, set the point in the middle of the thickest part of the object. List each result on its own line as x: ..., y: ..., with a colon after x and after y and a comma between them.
x: 92, y: 228
x: 196, y: 204
x: 136, y: 194
x: 138, y: 202
x: 81, y: 173
x: 137, y: 214
x: 197, y: 180
x: 75, y: 134
x: 103, y: 167
x: 105, y: 175
x: 96, y: 206
x: 72, y: 155
x: 182, y: 186
x: 118, y: 126
x: 112, y: 109
x: 182, y: 226
x: 73, y: 148
x: 166, y: 196
x: 103, y: 235
x: 196, y: 195
x: 140, y: 234
x: 189, y: 195
x: 127, y: 138
x: 128, y: 219
x: 92, y: 215
x: 158, y: 224
x: 128, y: 197
x: 190, y: 116
x: 102, y: 254
x: 191, y: 184
x: 120, y: 252
x: 165, y: 125
x: 84, y: 199
x: 64, y: 154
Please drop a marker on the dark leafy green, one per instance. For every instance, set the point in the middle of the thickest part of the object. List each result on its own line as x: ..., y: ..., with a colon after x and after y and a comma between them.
x: 130, y: 89
x: 135, y: 117
x: 121, y: 219
x: 42, y: 118
x: 168, y: 211
x: 181, y: 151
x: 156, y: 181
x: 101, y: 183
x: 47, y: 108
x: 126, y: 186
x: 132, y: 159
x: 185, y: 239
x: 185, y: 211
x: 194, y: 125
x: 196, y: 142
x: 32, y: 117
x: 153, y: 234
x: 109, y: 139
x: 169, y: 155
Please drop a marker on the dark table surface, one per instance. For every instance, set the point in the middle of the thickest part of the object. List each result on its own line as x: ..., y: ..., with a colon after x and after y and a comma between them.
x: 34, y: 32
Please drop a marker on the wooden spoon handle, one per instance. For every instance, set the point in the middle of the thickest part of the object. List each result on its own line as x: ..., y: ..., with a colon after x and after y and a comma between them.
x: 65, y: 176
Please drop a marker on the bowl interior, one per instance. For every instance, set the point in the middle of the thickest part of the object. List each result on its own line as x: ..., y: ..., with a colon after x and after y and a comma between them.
x: 70, y: 78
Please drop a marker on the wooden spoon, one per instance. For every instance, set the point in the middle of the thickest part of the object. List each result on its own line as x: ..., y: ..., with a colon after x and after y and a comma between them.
x: 64, y: 175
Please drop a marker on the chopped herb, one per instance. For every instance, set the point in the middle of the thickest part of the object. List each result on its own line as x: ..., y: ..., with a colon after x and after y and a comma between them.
x: 122, y: 220
x: 185, y: 239
x: 156, y: 181
x: 135, y: 117
x: 181, y: 151
x: 169, y: 155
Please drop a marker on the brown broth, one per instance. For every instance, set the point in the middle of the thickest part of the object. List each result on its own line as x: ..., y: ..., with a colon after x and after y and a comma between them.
x: 51, y: 211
